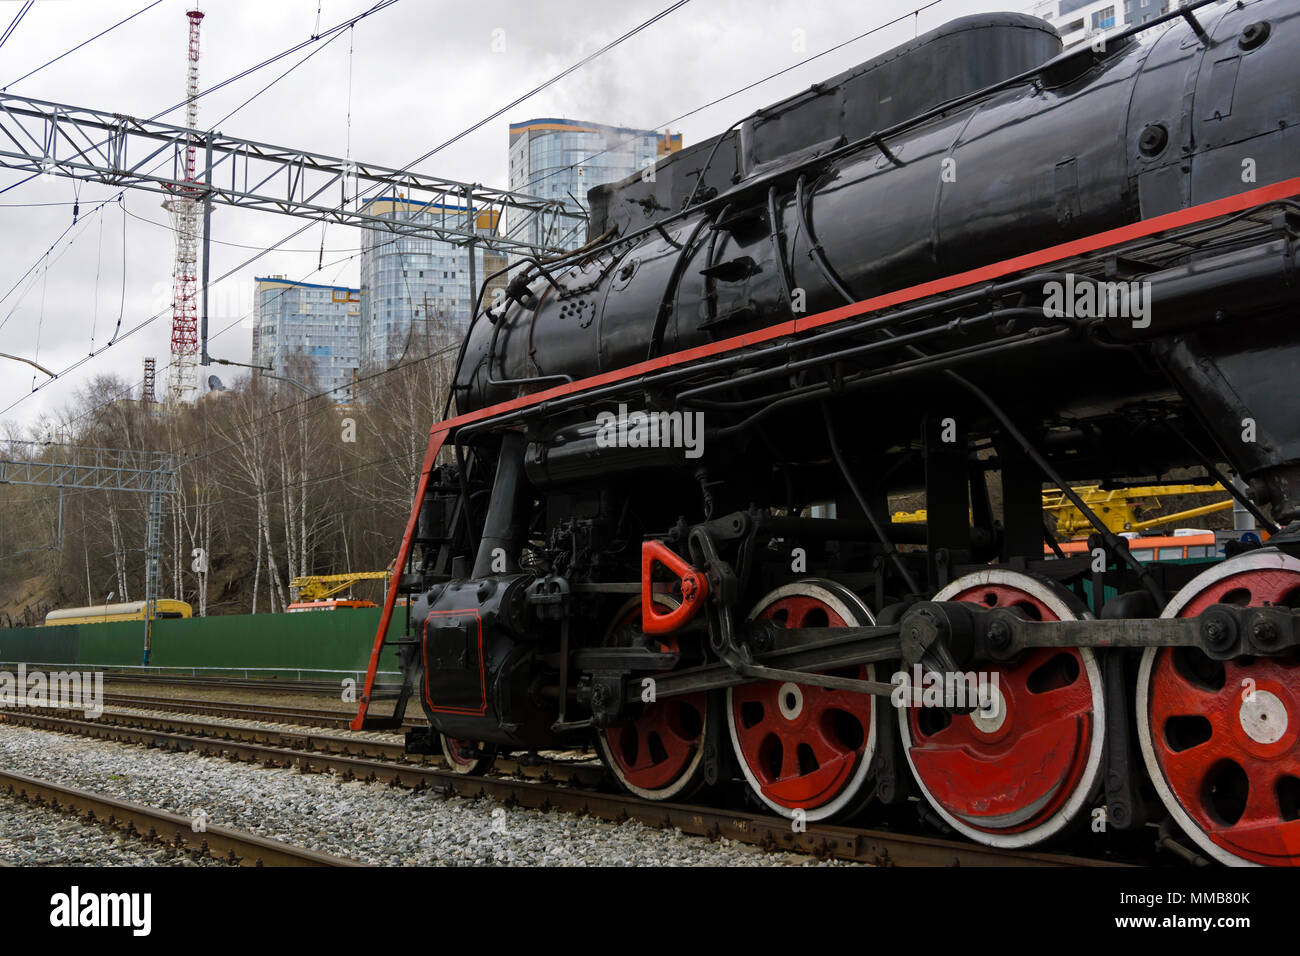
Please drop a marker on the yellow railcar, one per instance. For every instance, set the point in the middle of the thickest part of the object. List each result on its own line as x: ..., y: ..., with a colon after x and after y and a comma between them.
x: 104, y: 613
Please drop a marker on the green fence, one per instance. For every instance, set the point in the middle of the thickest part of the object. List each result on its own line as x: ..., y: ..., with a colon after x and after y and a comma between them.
x: 310, y: 644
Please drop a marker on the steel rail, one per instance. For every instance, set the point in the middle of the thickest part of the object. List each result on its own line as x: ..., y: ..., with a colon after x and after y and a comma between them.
x: 246, y: 849
x: 134, y: 728
x: 274, y: 713
x: 876, y: 847
x: 272, y: 685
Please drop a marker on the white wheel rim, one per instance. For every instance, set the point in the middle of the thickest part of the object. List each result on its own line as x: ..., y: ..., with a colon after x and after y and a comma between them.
x: 1251, y: 561
x: 689, y: 773
x: 849, y: 608
x: 468, y: 767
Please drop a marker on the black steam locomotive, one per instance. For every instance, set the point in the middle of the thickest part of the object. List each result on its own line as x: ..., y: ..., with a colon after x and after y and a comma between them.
x: 971, y: 267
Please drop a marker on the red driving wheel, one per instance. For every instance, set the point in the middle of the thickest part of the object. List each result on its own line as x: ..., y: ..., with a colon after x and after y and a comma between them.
x: 1220, y: 737
x: 660, y: 754
x: 1020, y: 768
x: 467, y: 756
x: 802, y: 747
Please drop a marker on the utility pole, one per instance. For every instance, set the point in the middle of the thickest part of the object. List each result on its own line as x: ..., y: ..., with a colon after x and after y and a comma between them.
x: 159, y: 482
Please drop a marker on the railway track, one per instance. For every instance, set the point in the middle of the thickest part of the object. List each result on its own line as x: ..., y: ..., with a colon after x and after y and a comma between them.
x: 564, y: 771
x: 307, y: 716
x: 152, y: 823
x: 253, y: 683
x: 878, y: 847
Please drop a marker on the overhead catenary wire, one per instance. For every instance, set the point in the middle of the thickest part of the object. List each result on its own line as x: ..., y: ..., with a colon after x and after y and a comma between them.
x: 118, y: 197
x: 297, y: 232
x: 279, y: 424
x: 375, y: 8
x: 276, y: 58
x: 16, y: 20
x: 347, y: 151
x: 40, y: 322
x: 381, y: 5
x: 268, y: 86
x: 99, y: 264
x: 30, y: 73
x: 692, y: 112
x: 334, y: 31
x: 744, y: 89
x: 241, y: 245
x: 268, y: 61
x: 121, y: 307
x: 43, y: 259
x: 551, y: 80
x: 704, y: 106
x: 217, y: 334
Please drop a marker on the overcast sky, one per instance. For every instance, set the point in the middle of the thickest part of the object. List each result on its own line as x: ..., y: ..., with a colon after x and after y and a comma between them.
x: 421, y: 71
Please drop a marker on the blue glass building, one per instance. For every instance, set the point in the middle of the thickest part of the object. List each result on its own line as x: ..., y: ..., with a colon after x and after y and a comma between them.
x: 1080, y: 20
x: 306, y: 331
x: 417, y: 284
x: 561, y: 159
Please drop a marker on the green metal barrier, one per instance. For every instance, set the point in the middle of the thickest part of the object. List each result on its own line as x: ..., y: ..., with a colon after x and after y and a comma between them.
x: 312, y: 644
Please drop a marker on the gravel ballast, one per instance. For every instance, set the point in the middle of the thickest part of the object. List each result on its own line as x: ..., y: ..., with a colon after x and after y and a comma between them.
x: 32, y: 835
x: 370, y: 822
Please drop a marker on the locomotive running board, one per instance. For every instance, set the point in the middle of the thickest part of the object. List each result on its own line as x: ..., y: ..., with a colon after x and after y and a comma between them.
x: 440, y: 432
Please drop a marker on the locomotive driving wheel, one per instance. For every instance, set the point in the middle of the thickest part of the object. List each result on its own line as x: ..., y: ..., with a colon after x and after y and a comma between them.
x: 660, y: 754
x: 467, y: 756
x: 1220, y: 737
x: 1021, y: 768
x: 803, y: 747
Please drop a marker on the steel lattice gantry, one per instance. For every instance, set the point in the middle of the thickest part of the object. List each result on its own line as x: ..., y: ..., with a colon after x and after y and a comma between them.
x: 78, y: 467
x: 37, y: 136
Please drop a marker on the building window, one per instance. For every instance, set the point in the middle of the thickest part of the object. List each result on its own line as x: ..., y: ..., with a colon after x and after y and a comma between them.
x: 1103, y: 19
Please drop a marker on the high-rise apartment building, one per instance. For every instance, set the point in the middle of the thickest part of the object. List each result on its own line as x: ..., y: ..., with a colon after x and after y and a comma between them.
x: 1078, y: 20
x: 303, y: 330
x: 415, y: 285
x: 561, y: 159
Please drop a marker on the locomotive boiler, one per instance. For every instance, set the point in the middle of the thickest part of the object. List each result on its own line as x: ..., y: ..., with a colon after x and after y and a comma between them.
x: 970, y: 268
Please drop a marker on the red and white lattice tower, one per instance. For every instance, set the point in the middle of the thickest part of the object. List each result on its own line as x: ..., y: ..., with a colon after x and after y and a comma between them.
x: 183, y: 206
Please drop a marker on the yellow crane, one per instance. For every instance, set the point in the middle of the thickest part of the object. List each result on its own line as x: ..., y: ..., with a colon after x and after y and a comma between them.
x: 1117, y: 507
x: 321, y: 587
